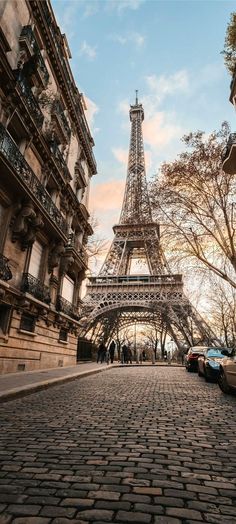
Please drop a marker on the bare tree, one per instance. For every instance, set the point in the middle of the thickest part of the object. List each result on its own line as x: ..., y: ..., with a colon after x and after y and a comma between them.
x: 151, y: 335
x: 222, y: 303
x: 196, y: 201
x: 96, y: 246
x: 229, y: 51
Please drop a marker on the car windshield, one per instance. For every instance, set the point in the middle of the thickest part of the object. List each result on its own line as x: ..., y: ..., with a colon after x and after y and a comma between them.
x: 215, y: 352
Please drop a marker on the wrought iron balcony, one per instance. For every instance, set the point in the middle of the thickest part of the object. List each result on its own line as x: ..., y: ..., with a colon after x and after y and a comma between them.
x: 84, y: 128
x: 80, y: 177
x: 60, y: 161
x: 75, y: 244
x: 27, y: 35
x: 59, y: 114
x: 23, y: 171
x: 35, y: 287
x: 30, y: 101
x: 229, y: 155
x: 67, y: 307
x: 5, y: 272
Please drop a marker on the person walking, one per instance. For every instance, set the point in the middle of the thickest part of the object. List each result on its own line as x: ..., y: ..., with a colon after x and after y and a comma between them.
x: 112, y: 348
x: 101, y: 353
x: 107, y: 356
x: 129, y: 356
x: 125, y: 354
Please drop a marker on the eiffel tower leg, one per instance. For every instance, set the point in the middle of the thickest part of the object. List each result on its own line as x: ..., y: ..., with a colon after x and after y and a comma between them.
x: 175, y: 338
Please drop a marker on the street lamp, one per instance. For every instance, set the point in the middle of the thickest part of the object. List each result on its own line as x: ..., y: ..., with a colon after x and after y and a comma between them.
x: 135, y: 345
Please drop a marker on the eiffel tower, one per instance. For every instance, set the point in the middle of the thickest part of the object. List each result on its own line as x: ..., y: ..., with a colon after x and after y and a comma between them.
x: 123, y: 293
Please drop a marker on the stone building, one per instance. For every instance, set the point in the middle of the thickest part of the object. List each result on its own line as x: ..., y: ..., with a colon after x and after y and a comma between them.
x: 229, y: 155
x: 46, y: 164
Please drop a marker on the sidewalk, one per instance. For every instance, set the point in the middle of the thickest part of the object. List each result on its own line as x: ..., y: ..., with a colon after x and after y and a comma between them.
x: 14, y: 385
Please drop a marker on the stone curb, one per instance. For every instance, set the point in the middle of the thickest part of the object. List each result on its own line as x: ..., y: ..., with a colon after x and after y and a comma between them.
x: 32, y: 388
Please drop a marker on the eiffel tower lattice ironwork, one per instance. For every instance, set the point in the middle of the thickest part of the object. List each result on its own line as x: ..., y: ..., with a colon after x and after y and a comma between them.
x: 119, y: 295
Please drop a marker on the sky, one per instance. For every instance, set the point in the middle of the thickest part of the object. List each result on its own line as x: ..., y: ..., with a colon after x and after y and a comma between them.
x: 170, y: 50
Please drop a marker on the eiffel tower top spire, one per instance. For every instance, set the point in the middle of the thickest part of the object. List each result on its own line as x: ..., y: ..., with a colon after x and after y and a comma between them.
x: 136, y: 204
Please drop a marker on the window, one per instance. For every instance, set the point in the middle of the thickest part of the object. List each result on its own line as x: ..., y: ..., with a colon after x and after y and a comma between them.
x: 68, y: 288
x: 35, y: 259
x: 63, y: 335
x: 27, y: 322
x: 4, y: 319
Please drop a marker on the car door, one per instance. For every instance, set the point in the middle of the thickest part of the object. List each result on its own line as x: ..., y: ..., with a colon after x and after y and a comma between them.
x: 201, y: 360
x: 230, y: 369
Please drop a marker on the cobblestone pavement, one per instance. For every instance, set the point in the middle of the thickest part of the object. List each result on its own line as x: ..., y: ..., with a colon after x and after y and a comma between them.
x: 132, y: 445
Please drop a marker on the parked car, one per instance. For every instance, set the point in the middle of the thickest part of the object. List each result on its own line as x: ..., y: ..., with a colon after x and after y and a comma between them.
x: 209, y: 362
x: 227, y: 373
x: 191, y: 358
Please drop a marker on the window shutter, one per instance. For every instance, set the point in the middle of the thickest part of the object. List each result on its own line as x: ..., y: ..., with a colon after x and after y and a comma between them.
x: 35, y: 259
x: 68, y: 289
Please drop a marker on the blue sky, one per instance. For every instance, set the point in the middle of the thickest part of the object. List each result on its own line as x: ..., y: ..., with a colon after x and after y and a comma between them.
x: 171, y: 51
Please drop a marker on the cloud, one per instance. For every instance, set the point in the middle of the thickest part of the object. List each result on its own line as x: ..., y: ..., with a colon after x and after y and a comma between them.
x: 67, y: 18
x: 91, y: 8
x: 163, y: 85
x: 120, y: 154
x: 121, y: 5
x: 160, y: 129
x: 87, y: 50
x: 107, y: 196
x: 135, y: 38
x: 124, y: 107
x: 91, y: 111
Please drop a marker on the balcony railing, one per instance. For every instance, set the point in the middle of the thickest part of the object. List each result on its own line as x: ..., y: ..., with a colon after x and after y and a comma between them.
x: 61, y: 164
x: 35, y: 287
x: 27, y: 34
x: 10, y: 151
x: 67, y: 307
x: 5, y: 272
x: 82, y: 120
x: 58, y: 111
x: 30, y: 101
x: 230, y: 143
x: 74, y: 243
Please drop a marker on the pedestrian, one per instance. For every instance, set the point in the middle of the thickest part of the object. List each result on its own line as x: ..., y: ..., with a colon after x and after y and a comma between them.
x: 144, y: 355
x: 99, y: 353
x: 125, y: 354
x: 169, y: 357
x: 112, y: 348
x: 104, y: 351
x: 107, y: 356
x: 129, y: 356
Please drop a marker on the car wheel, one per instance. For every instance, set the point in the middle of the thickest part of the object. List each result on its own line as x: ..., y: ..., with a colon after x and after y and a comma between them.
x: 207, y: 377
x: 224, y: 386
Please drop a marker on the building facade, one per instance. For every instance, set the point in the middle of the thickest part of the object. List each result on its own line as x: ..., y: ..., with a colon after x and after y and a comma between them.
x: 46, y: 164
x: 229, y: 155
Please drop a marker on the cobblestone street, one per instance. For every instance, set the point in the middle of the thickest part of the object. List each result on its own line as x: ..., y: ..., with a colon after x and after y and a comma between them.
x: 144, y: 445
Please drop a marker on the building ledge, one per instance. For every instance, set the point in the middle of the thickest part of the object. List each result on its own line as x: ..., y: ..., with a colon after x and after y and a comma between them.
x: 30, y: 333
x: 229, y: 156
